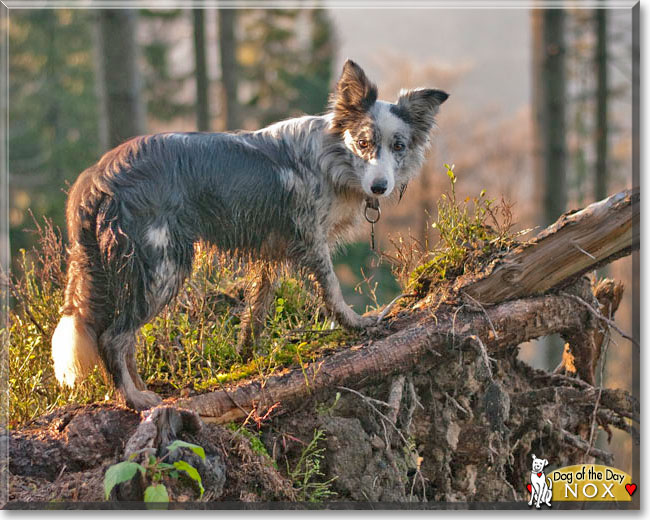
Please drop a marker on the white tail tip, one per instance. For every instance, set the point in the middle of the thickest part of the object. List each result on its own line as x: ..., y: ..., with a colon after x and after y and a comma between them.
x: 74, y: 350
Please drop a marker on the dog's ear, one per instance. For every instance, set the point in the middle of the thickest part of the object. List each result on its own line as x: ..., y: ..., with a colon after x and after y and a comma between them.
x: 354, y: 93
x: 419, y: 107
x: 545, y: 462
x: 534, y: 456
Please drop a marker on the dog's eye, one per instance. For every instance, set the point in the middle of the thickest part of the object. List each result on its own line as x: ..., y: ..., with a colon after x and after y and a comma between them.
x: 362, y: 143
x: 398, y: 147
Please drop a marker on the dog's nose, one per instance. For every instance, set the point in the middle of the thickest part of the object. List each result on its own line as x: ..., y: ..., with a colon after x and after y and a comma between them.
x: 379, y: 186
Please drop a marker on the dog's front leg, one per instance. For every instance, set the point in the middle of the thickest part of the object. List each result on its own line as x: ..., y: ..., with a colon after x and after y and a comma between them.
x: 317, y: 259
x: 538, y: 497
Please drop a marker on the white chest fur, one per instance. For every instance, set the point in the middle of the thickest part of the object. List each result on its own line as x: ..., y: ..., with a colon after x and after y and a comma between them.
x: 343, y: 219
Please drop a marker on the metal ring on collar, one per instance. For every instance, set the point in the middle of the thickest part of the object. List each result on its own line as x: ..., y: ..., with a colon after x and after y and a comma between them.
x: 372, y: 205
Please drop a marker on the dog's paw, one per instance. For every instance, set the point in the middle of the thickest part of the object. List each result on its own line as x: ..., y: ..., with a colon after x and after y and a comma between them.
x: 142, y: 400
x: 369, y: 322
x: 352, y: 321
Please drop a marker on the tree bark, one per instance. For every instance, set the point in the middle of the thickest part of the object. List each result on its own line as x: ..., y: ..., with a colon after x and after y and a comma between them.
x: 511, y: 323
x: 201, y: 73
x: 122, y: 103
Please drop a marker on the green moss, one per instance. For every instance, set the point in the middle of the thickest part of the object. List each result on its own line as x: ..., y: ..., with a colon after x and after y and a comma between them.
x: 254, y: 441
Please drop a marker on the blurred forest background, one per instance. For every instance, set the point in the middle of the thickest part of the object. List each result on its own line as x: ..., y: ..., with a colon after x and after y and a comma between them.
x: 540, y: 111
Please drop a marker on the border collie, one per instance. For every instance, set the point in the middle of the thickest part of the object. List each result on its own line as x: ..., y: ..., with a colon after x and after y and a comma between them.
x: 288, y: 194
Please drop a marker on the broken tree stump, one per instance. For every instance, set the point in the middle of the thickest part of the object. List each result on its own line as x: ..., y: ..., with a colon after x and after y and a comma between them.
x: 578, y: 242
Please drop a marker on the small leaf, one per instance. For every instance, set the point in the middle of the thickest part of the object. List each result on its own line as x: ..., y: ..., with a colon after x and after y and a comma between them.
x: 155, y: 496
x: 191, y: 472
x: 182, y: 444
x: 119, y: 473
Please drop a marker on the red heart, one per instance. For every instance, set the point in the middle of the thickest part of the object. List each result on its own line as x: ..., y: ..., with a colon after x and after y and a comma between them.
x: 630, y: 488
x: 529, y: 488
x: 539, y: 474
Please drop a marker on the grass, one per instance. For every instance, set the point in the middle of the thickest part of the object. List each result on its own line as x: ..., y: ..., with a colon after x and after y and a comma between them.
x: 191, y: 343
x: 471, y: 233
x: 307, y: 475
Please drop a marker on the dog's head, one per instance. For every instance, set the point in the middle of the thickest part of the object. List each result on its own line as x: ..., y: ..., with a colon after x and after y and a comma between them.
x: 539, y: 464
x: 387, y: 140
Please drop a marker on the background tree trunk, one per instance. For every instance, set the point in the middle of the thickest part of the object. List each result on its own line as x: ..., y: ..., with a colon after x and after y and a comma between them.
x: 227, y: 19
x: 549, y: 98
x: 123, y: 109
x: 601, y: 172
x: 5, y: 245
x: 202, y: 82
x: 554, y: 99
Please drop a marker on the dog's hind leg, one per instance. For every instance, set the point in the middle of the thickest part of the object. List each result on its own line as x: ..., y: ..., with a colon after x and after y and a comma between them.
x: 258, y: 300
x: 148, y: 281
x: 117, y: 350
x: 133, y: 370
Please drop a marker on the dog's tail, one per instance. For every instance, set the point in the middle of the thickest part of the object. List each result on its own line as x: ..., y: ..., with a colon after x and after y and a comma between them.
x: 74, y: 350
x: 549, y: 482
x: 74, y: 342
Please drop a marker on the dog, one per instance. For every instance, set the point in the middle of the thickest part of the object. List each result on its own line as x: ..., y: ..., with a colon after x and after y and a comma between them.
x: 541, y: 486
x: 288, y: 193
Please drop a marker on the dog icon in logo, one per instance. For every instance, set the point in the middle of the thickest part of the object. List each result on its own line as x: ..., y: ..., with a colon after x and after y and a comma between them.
x: 541, y: 487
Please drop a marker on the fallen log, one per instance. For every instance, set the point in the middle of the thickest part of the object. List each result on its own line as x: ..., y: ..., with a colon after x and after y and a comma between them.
x: 576, y: 243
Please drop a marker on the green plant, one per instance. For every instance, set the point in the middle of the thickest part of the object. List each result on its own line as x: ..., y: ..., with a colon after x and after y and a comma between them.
x: 471, y: 232
x: 324, y: 409
x: 191, y: 343
x: 307, y: 474
x: 154, y: 470
x: 36, y: 292
x: 254, y: 439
